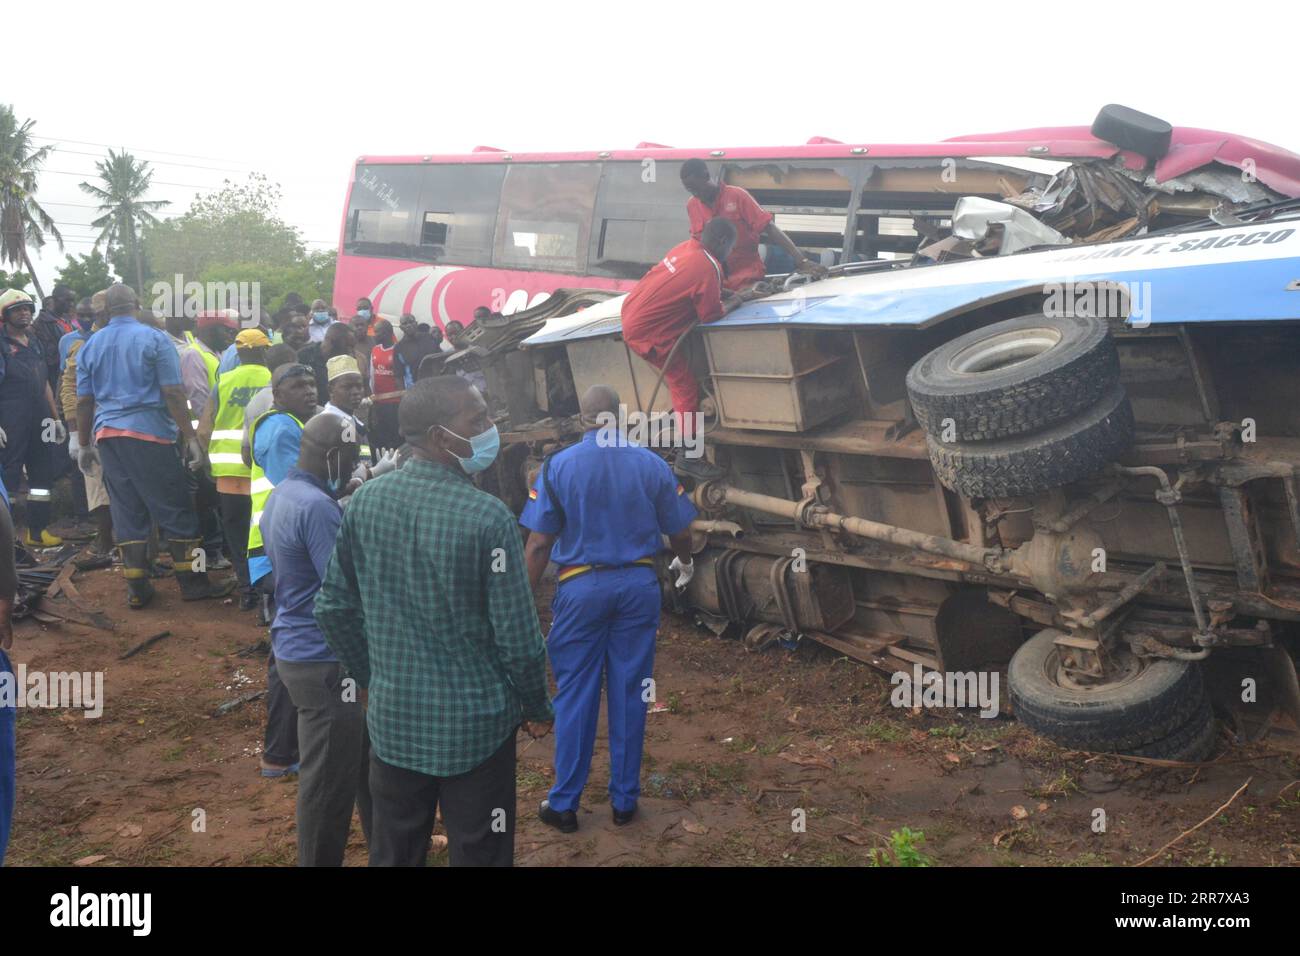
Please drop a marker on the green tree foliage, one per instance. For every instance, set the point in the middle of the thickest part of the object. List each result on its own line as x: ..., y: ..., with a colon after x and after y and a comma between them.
x: 23, y: 222
x: 236, y: 224
x: 311, y: 277
x: 85, y: 274
x: 122, y: 205
x: 14, y: 280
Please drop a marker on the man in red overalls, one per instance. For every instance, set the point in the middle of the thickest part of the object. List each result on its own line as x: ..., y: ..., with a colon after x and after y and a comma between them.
x: 753, y: 224
x: 384, y: 381
x: 684, y: 288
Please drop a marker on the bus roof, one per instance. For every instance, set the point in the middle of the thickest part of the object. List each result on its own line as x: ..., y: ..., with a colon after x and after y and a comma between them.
x: 1232, y: 274
x: 1190, y: 148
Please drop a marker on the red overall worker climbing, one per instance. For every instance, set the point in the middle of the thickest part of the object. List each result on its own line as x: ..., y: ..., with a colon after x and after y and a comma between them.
x: 684, y: 288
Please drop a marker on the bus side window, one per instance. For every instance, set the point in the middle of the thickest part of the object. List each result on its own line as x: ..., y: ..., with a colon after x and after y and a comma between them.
x: 544, y: 222
x: 458, y: 212
x: 640, y: 215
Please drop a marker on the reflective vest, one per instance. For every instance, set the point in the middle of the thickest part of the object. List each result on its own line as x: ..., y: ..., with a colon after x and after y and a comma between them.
x: 213, y: 362
x: 234, y: 391
x: 261, y: 486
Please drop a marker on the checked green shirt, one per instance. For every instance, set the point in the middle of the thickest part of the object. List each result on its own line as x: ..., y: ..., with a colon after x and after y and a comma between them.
x: 426, y: 602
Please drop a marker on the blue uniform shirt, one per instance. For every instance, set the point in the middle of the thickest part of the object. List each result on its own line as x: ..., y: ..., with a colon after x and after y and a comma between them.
x: 275, y: 447
x: 125, y: 367
x: 65, y: 343
x: 299, y: 525
x: 611, y: 504
x: 229, y: 360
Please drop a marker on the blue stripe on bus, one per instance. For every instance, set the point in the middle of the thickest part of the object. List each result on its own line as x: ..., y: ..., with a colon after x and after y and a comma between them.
x: 1252, y: 290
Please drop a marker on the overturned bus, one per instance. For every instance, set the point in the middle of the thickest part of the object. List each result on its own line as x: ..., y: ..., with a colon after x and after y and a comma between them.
x: 1077, y: 463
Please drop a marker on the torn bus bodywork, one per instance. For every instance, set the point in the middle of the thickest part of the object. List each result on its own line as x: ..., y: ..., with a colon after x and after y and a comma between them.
x: 1077, y: 463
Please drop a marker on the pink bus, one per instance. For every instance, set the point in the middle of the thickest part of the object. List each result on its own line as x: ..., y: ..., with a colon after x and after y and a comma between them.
x: 438, y: 236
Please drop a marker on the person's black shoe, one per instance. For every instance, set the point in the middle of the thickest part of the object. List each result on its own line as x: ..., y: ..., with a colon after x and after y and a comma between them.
x: 623, y: 817
x: 249, y: 599
x: 700, y: 469
x: 565, y: 821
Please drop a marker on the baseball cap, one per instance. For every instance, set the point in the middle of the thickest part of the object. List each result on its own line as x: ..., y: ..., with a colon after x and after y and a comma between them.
x: 341, y: 365
x: 252, y: 339
x: 227, y: 317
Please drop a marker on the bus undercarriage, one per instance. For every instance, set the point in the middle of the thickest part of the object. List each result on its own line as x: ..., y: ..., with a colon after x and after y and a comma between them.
x: 1103, y: 553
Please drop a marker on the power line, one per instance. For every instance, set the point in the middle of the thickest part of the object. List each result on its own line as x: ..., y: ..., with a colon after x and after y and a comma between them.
x: 157, y: 162
x: 160, y: 152
x: 156, y: 182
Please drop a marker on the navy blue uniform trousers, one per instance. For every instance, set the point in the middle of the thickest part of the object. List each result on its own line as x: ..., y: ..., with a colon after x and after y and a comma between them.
x: 602, y: 632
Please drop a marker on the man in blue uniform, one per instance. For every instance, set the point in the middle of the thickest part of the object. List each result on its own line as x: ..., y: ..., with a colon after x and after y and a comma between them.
x: 598, y: 509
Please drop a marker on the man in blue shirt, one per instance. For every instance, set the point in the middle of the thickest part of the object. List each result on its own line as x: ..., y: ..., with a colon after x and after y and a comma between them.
x: 299, y: 524
x: 598, y: 510
x: 129, y: 397
x: 276, y: 439
x: 81, y: 332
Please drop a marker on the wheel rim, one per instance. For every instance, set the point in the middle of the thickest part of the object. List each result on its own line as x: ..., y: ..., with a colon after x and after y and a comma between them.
x: 1127, y: 667
x: 1004, y: 350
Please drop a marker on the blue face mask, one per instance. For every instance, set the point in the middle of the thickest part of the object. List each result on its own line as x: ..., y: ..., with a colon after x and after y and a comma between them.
x: 483, y: 447
x: 320, y: 318
x: 364, y: 313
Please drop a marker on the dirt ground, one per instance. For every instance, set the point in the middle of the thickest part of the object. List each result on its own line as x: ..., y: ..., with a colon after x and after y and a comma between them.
x: 782, y: 757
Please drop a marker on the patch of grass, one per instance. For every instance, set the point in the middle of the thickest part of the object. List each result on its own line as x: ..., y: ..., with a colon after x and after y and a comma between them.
x: 948, y: 731
x: 879, y: 730
x: 1062, y: 785
x: 1088, y: 859
x: 528, y: 779
x: 904, y: 850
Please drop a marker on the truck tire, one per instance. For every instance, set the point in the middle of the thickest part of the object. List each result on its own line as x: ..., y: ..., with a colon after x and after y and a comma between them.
x: 1028, y: 464
x: 1137, y: 132
x: 1151, y: 701
x: 1193, y: 741
x: 1013, y: 377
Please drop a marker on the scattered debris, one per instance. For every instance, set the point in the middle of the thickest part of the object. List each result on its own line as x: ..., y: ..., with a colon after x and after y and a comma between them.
x: 238, y: 702
x: 146, y: 643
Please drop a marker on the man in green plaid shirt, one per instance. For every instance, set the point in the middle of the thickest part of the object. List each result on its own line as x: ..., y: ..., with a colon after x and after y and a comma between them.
x: 426, y: 602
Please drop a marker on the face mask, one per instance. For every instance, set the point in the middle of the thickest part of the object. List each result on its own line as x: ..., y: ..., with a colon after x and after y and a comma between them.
x: 364, y: 313
x: 320, y: 318
x: 483, y: 448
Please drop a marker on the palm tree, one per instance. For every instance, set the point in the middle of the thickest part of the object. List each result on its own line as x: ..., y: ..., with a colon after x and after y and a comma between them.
x: 23, y: 222
x: 126, y: 180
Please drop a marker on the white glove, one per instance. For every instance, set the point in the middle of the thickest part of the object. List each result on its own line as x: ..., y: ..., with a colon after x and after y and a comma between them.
x: 74, y: 446
x: 684, y: 571
x: 359, y: 473
x: 194, y: 454
x: 88, y: 460
x: 60, y: 432
x: 387, y: 462
x: 4, y: 439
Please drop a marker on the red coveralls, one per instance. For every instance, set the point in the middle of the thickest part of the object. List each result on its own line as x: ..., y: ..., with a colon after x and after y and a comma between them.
x: 685, y: 286
x: 744, y: 265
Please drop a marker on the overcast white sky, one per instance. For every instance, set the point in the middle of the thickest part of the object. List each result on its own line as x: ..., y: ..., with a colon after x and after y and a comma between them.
x: 299, y: 90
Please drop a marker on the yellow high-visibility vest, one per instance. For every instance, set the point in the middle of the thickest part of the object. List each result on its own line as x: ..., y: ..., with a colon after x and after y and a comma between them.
x: 234, y: 391
x: 261, y: 487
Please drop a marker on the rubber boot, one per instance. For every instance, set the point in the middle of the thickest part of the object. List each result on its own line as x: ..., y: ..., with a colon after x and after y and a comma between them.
x: 103, y: 542
x: 135, y: 569
x: 195, y: 585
